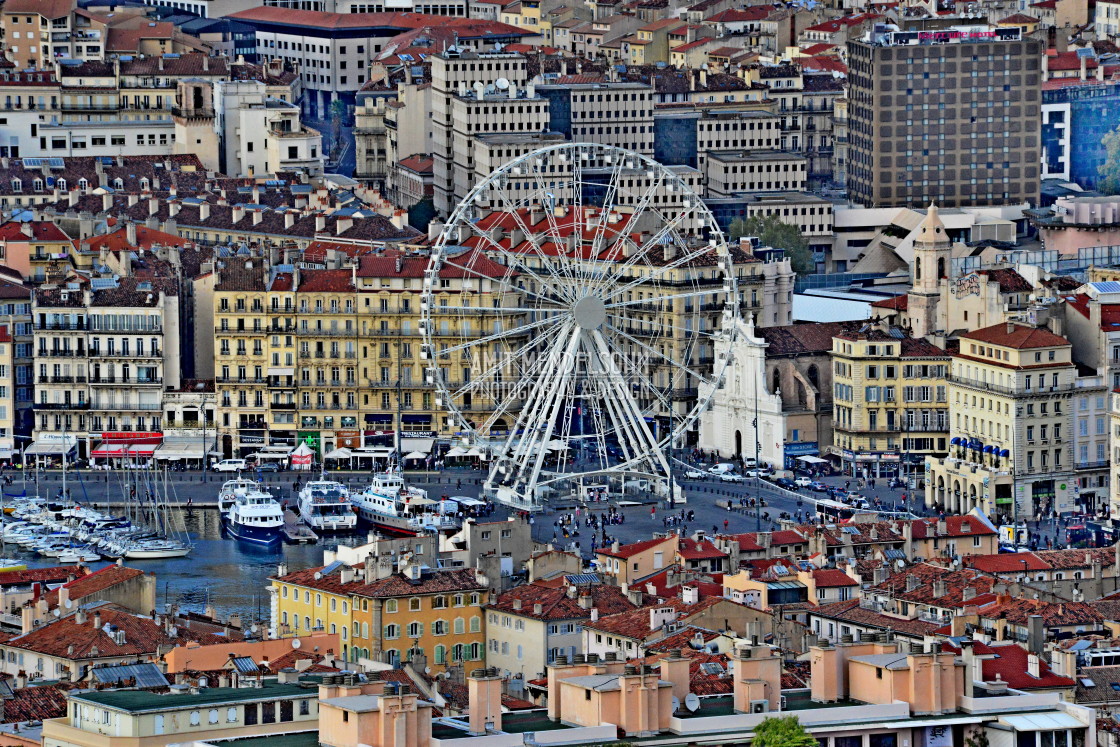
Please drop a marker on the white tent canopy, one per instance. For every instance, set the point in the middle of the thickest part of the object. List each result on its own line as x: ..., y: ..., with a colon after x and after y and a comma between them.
x: 415, y: 455
x: 422, y: 445
x: 340, y: 453
x: 456, y: 451
x: 180, y: 447
x: 812, y: 460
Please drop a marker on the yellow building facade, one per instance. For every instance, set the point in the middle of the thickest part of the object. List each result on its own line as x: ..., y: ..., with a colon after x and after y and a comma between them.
x: 414, y: 615
x: 890, y: 403
x: 1011, y: 448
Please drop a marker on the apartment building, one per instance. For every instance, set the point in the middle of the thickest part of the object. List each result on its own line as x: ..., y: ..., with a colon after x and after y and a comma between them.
x: 393, y: 615
x: 257, y: 134
x: 8, y: 414
x: 36, y: 32
x: 731, y: 172
x: 975, y: 97
x: 610, y: 113
x: 890, y: 402
x: 103, y: 355
x: 15, y: 307
x: 333, y: 358
x: 1011, y: 398
x: 467, y: 101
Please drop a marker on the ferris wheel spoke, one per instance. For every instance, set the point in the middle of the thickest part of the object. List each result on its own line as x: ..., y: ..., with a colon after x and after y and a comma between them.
x: 510, y: 287
x: 495, y: 336
x: 653, y: 300
x: 516, y: 257
x: 661, y: 270
x: 535, y: 365
x: 660, y: 325
x: 558, y: 238
x: 606, y: 210
x: 531, y: 237
x: 548, y: 410
x: 700, y: 377
x: 643, y: 205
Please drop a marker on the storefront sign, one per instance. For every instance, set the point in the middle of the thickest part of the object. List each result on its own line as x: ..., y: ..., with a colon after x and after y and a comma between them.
x: 348, y: 439
x: 418, y: 434
x: 802, y: 448
x: 937, y: 736
x: 251, y: 439
x: 133, y: 438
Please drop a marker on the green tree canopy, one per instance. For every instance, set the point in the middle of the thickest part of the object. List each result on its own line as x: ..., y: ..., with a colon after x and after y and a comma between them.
x: 773, y: 233
x: 1109, y: 171
x: 782, y: 731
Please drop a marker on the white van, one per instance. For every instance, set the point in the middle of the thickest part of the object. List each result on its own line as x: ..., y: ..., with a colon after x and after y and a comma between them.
x: 230, y: 465
x: 721, y: 468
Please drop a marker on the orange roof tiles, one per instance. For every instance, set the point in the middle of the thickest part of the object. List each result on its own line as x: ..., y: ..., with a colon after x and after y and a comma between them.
x: 1018, y: 337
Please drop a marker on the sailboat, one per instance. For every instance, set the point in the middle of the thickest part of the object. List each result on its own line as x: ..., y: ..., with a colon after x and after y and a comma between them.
x: 153, y: 510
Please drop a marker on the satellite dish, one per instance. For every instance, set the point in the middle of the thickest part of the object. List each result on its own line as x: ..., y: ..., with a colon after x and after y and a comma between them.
x: 57, y: 612
x: 691, y: 702
x: 501, y: 84
x: 296, y: 643
x: 69, y: 603
x: 253, y: 628
x: 427, y: 670
x: 676, y: 704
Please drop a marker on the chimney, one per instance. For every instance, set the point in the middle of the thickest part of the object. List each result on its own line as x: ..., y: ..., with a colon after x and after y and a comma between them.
x: 1036, y: 634
x: 80, y: 617
x: 258, y: 216
x: 690, y: 594
x: 674, y: 669
x: 106, y: 202
x: 320, y: 223
x: 585, y: 602
x: 153, y: 205
x: 1034, y: 666
x: 342, y: 224
x: 204, y: 211
x: 97, y: 620
x: 517, y: 604
x: 130, y: 233
x: 939, y: 588
x: 73, y: 197
x: 484, y: 698
x: 173, y: 208
x: 571, y: 591
x: 238, y: 213
x: 289, y: 219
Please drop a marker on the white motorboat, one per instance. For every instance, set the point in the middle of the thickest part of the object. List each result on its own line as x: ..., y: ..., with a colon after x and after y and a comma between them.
x: 256, y: 517
x: 325, y: 505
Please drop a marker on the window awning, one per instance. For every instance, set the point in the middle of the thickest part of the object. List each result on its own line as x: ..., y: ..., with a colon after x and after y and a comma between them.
x: 143, y: 450
x: 180, y: 447
x: 105, y: 451
x: 56, y: 448
x: 1042, y: 722
x: 423, y: 445
x: 416, y: 419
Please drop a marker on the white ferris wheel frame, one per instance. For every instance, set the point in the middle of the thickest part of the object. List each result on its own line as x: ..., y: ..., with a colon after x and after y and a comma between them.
x: 585, y: 326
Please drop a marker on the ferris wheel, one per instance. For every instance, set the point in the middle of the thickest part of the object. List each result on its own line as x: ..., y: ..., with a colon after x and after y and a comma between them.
x: 572, y: 315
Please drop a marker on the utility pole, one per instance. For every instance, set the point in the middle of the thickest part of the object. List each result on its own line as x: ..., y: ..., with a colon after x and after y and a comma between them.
x: 757, y: 477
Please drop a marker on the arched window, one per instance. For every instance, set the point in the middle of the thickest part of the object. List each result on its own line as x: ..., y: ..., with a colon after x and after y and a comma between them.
x: 390, y: 606
x: 941, y: 267
x: 777, y: 381
x: 917, y: 269
x: 61, y: 184
x: 814, y: 376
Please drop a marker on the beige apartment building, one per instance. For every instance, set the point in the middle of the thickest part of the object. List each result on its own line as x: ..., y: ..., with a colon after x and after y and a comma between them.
x: 102, y: 359
x: 890, y: 403
x: 476, y: 94
x: 333, y: 358
x: 731, y: 172
x: 1011, y: 399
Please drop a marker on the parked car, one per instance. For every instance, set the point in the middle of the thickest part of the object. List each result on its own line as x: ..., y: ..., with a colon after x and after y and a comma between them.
x: 694, y: 474
x: 803, y: 482
x: 231, y: 465
x: 721, y: 468
x: 783, y: 482
x: 818, y: 487
x: 750, y: 462
x: 268, y: 467
x: 732, y: 477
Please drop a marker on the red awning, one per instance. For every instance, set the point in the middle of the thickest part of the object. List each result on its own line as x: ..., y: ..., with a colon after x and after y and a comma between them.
x: 105, y: 450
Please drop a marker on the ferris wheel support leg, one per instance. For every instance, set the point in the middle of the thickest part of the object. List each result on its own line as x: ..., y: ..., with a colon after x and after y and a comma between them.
x: 611, y: 405
x: 646, y: 438
x: 554, y: 398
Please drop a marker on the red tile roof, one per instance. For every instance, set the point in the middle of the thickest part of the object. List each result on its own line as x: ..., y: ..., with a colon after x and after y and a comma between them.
x: 1009, y: 280
x: 955, y: 526
x: 36, y: 703
x: 1054, y: 614
x: 95, y: 583
x: 146, y: 238
x: 850, y: 611
x: 1020, y: 337
x: 748, y: 541
x: 691, y: 549
x: 898, y: 303
x: 1019, y: 18
x: 1008, y: 662
x: 42, y: 230
x: 325, y: 281
x: 41, y: 575
x: 1006, y: 562
x: 629, y: 551
x: 142, y: 636
x: 422, y: 164
x: 556, y: 605
x: 441, y: 581
x: 831, y: 578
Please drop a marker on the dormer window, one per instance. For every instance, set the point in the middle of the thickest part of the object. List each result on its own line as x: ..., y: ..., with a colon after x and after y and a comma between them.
x: 144, y: 183
x: 118, y: 183
x: 62, y: 185
x: 37, y: 185
x: 83, y: 184
x: 17, y: 185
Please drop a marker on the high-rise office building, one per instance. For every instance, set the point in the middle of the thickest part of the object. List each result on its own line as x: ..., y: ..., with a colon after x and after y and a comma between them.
x: 947, y: 115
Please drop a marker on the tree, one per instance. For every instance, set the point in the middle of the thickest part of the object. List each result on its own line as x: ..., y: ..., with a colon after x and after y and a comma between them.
x: 337, y: 114
x: 772, y: 232
x: 782, y: 731
x: 1109, y: 171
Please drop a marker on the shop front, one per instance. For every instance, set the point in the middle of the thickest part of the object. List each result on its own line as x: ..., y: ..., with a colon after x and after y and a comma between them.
x: 125, y: 450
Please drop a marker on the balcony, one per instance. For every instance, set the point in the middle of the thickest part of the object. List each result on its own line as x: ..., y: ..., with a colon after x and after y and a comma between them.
x: 328, y: 332
x: 240, y: 331
x: 283, y: 405
x: 113, y: 380
x: 124, y: 407
x: 98, y: 353
x: 240, y: 380
x: 61, y: 326
x: 61, y: 405
x: 1091, y: 465
x: 984, y: 386
x: 71, y: 106
x: 179, y: 111
x: 61, y: 353
x: 62, y: 379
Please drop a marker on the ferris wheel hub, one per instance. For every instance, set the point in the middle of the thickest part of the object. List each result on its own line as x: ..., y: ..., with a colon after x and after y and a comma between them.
x: 590, y: 312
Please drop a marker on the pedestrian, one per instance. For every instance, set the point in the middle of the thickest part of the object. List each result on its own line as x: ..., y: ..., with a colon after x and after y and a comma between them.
x: 725, y: 525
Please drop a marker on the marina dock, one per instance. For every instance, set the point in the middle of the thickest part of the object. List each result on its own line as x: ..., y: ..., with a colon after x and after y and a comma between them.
x: 295, y: 531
